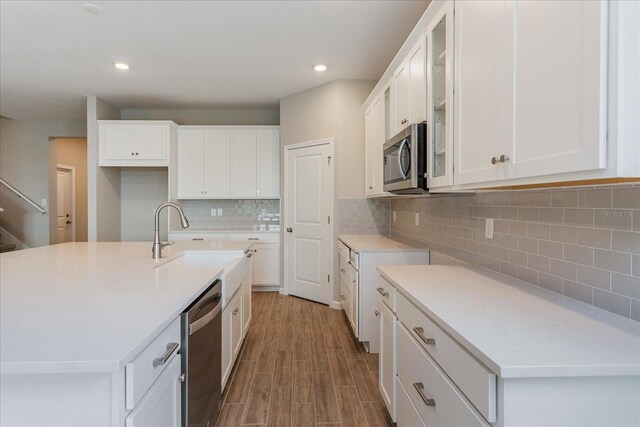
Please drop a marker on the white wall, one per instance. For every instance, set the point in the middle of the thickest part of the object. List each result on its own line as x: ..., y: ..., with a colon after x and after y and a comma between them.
x: 331, y: 110
x: 104, y: 183
x: 221, y: 116
x: 24, y: 163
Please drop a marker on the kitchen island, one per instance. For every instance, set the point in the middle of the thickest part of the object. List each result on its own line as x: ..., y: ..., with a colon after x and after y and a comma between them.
x: 76, y: 319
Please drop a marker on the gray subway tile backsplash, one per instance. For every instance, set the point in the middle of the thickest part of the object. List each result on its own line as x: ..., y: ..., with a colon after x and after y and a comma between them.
x: 363, y: 216
x: 237, y: 215
x: 581, y: 242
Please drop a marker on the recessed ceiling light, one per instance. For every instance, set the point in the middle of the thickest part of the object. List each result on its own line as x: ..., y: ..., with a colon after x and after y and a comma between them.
x: 92, y: 8
x: 121, y: 65
x: 320, y: 67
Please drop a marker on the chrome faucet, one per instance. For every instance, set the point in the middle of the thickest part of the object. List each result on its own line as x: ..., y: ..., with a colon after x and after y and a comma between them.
x: 156, y: 250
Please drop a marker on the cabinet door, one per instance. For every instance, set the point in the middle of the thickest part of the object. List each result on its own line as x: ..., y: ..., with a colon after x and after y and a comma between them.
x: 557, y: 89
x: 117, y: 142
x: 246, y: 303
x: 401, y: 98
x: 417, y: 84
x: 480, y: 73
x: 152, y: 142
x: 266, y: 265
x: 217, y: 159
x: 440, y: 100
x: 374, y: 140
x: 236, y: 325
x: 227, y: 346
x: 190, y: 165
x: 387, y: 358
x: 268, y: 164
x: 353, y: 318
x: 161, y: 405
x: 243, y: 163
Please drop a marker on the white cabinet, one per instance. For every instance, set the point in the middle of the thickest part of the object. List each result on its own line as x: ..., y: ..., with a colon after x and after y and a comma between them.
x: 134, y: 143
x: 255, y: 163
x: 266, y: 264
x: 374, y: 141
x: 161, y: 405
x: 440, y: 98
x: 246, y: 297
x: 530, y: 89
x: 232, y: 329
x: 203, y: 163
x: 387, y: 357
x: 409, y: 89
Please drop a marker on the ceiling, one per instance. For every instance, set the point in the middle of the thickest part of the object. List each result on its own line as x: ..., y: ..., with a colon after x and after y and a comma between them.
x: 189, y: 54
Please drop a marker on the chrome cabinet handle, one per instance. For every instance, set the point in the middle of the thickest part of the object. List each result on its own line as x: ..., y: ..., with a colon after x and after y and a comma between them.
x: 503, y: 158
x: 171, y: 347
x: 494, y: 160
x: 382, y: 292
x: 377, y: 313
x: 371, y: 187
x: 342, y: 270
x: 235, y: 311
x: 420, y: 333
x: 419, y: 388
x: 197, y: 238
x: 289, y: 229
x: 342, y: 297
x: 253, y: 238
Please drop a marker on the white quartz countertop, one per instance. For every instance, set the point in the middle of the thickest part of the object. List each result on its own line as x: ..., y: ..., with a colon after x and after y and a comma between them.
x: 519, y: 330
x: 377, y: 243
x: 92, y: 307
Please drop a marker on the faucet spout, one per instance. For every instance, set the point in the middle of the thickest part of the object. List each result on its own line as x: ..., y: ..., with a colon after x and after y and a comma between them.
x: 156, y: 250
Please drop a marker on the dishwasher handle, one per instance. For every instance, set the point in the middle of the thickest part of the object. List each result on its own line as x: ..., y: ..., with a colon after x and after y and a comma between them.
x: 204, y: 320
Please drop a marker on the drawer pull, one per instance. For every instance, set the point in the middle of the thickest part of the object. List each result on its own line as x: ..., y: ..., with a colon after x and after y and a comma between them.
x: 342, y: 297
x: 171, y: 348
x: 342, y: 270
x: 382, y: 292
x: 254, y: 238
x: 377, y: 313
x: 197, y: 238
x: 420, y: 333
x: 235, y: 311
x: 419, y: 388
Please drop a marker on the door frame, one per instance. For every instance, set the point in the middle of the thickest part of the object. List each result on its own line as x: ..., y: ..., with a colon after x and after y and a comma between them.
x: 285, y: 210
x: 72, y: 171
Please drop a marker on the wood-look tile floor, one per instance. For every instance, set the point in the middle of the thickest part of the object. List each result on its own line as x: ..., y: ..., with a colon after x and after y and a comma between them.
x: 300, y: 366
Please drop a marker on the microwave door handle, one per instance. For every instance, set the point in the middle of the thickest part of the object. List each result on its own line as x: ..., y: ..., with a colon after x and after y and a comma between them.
x: 400, y: 167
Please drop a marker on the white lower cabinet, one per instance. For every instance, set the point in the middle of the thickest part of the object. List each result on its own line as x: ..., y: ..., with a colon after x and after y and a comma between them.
x: 266, y: 264
x: 387, y: 360
x: 407, y: 413
x: 231, y: 334
x: 246, y: 300
x: 161, y: 405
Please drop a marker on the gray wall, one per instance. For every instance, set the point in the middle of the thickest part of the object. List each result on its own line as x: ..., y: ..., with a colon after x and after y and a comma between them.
x: 104, y: 183
x: 141, y: 191
x: 24, y: 163
x: 331, y: 110
x: 583, y: 243
x: 69, y: 152
x: 221, y: 116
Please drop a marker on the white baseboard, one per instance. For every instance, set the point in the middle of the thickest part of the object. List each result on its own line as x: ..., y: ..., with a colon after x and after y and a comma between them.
x: 261, y: 288
x: 282, y: 291
x: 337, y: 305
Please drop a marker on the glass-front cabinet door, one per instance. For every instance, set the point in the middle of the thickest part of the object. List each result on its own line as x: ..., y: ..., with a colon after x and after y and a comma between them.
x: 440, y: 97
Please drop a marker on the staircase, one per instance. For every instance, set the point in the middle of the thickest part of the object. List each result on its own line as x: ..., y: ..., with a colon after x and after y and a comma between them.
x: 7, y: 247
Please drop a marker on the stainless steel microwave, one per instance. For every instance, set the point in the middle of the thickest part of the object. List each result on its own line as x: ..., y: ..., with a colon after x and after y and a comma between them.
x: 405, y: 161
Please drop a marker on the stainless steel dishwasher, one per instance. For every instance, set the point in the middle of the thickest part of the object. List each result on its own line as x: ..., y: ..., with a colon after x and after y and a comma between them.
x: 201, y: 359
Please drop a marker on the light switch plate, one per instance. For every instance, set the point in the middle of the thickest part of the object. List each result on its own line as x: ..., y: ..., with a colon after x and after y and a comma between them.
x: 213, y: 212
x: 488, y: 228
x: 417, y: 218
x: 44, y: 203
x: 219, y: 211
x: 394, y: 216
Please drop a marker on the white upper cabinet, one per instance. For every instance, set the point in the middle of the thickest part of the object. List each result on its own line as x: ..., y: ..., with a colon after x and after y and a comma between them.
x: 409, y: 90
x: 480, y: 72
x: 244, y: 156
x: 216, y: 162
x: 203, y: 163
x: 557, y: 87
x: 374, y: 140
x: 440, y: 98
x: 530, y: 89
x: 134, y: 143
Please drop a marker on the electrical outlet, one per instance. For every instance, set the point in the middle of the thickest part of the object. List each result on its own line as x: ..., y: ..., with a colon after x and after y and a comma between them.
x: 43, y: 203
x: 264, y: 212
x: 488, y: 228
x: 219, y: 211
x: 417, y: 218
x: 213, y: 212
x: 394, y: 216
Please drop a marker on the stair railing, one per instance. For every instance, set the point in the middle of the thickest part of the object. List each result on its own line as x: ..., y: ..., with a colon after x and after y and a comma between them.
x: 23, y: 196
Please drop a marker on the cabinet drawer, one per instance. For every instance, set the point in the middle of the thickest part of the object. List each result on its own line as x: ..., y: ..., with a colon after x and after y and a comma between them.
x: 476, y: 382
x: 180, y: 237
x: 408, y: 415
x: 345, y: 299
x: 141, y: 373
x: 387, y: 293
x: 255, y: 237
x: 436, y: 398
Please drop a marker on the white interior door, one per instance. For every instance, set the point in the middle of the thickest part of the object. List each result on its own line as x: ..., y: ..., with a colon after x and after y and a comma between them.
x: 309, y: 207
x: 65, y: 222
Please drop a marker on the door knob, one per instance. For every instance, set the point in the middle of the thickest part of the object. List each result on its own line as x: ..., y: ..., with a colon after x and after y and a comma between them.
x: 68, y: 222
x: 289, y: 230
